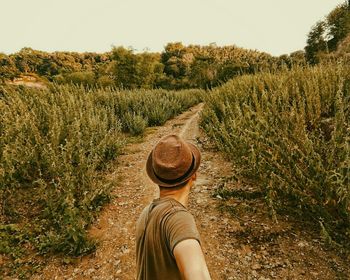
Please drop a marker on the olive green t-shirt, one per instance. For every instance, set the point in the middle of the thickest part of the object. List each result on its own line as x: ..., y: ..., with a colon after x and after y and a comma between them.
x: 162, y: 225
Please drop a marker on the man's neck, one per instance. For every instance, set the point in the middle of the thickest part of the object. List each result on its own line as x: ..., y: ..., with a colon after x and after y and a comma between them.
x: 180, y: 196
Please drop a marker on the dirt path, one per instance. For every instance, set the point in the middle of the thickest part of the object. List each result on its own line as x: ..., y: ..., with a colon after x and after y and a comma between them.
x: 242, y: 243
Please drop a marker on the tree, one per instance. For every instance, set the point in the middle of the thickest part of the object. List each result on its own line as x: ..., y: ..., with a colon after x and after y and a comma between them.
x: 124, y: 67
x: 175, y: 64
x: 204, y: 73
x: 338, y: 22
x: 327, y: 34
x: 316, y: 42
x: 8, y: 68
x: 149, y: 70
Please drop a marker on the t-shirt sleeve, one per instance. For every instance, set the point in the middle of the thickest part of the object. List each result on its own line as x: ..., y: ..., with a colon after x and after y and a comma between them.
x: 180, y: 226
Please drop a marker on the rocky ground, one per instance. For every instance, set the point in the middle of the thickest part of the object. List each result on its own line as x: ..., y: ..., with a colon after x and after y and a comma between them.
x: 240, y: 240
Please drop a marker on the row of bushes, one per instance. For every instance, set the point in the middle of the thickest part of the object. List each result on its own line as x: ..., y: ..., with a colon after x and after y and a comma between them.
x: 54, y: 145
x: 177, y: 67
x: 289, y: 134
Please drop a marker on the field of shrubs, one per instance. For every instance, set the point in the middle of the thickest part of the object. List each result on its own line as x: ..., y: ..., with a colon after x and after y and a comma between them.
x: 56, y: 144
x: 289, y: 134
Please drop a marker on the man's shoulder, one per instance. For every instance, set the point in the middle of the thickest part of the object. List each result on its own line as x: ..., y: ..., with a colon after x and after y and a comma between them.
x: 169, y: 207
x: 163, y: 209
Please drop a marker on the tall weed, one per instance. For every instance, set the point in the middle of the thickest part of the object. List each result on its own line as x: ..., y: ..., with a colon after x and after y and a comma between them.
x: 290, y: 133
x: 54, y: 145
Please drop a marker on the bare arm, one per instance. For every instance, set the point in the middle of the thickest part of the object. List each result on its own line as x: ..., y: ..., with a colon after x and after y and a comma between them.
x: 190, y: 260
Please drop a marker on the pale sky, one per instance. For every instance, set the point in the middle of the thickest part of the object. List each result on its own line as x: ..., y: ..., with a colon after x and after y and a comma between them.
x: 274, y: 26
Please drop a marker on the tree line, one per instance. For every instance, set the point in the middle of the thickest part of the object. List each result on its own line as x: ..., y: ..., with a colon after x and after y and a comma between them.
x: 177, y: 67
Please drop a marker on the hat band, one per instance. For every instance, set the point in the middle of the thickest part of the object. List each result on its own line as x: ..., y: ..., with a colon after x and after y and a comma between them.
x: 172, y: 181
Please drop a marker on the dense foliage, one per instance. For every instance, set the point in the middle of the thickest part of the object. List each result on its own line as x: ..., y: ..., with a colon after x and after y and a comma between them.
x: 328, y: 34
x: 54, y: 145
x: 289, y: 134
x: 177, y: 67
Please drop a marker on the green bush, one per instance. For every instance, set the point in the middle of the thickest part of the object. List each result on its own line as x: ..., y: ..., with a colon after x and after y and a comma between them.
x: 290, y: 133
x: 51, y: 147
x: 86, y: 78
x: 153, y: 106
x: 135, y: 124
x: 54, y: 143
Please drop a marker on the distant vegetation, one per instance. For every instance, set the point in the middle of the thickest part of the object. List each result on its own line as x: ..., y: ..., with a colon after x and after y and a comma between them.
x: 55, y: 146
x: 289, y: 134
x: 329, y: 38
x: 177, y: 67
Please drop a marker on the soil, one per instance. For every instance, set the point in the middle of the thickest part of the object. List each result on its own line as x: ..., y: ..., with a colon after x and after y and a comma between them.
x: 240, y: 240
x: 32, y: 84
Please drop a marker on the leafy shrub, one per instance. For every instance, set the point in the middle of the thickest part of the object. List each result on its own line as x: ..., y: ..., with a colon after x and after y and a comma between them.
x: 133, y: 123
x: 153, y: 106
x: 83, y: 78
x: 51, y: 147
x: 290, y: 133
x: 54, y: 143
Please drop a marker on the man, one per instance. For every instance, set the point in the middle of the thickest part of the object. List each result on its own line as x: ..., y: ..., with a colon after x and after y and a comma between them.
x: 167, y: 240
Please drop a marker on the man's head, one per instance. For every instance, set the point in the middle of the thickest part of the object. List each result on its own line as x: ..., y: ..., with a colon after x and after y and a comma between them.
x: 173, y: 162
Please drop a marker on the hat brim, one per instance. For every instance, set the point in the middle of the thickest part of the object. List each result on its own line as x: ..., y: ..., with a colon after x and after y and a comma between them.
x: 197, y: 160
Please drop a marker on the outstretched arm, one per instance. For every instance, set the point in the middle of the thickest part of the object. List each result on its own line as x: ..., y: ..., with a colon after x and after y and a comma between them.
x: 190, y: 260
